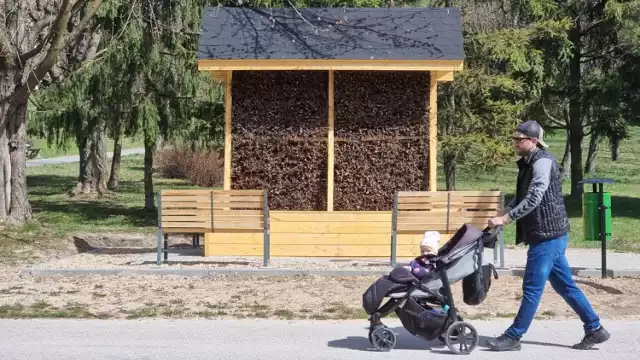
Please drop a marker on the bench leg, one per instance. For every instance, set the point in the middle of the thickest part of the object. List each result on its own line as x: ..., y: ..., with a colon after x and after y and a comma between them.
x: 166, y: 247
x: 159, y: 248
x: 193, y: 240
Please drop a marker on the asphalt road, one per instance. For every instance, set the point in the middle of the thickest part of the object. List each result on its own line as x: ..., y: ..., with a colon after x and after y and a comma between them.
x: 281, y: 340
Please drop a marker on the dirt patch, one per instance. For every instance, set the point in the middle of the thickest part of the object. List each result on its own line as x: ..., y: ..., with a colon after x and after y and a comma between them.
x: 298, y: 297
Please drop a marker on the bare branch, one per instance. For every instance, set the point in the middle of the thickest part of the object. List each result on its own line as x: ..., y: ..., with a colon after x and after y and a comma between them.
x: 88, y: 15
x: 552, y: 118
x: 58, y: 30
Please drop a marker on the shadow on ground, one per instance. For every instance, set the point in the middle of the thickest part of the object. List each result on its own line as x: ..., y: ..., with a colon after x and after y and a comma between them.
x: 406, y: 341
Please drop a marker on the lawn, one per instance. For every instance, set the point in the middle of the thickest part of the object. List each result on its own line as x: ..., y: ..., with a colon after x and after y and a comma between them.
x: 49, y: 151
x: 58, y: 214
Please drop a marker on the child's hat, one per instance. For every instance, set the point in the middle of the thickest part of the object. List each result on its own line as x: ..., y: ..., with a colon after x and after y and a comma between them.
x: 431, y: 239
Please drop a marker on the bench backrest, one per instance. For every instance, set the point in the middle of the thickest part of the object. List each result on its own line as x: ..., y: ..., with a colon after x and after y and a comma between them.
x: 195, y: 210
x: 444, y: 211
x: 239, y: 210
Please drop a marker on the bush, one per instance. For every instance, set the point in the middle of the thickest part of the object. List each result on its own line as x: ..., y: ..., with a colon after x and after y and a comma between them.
x: 204, y: 169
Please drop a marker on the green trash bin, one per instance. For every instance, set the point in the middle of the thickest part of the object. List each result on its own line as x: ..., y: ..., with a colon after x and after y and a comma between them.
x: 596, y: 214
x: 591, y: 215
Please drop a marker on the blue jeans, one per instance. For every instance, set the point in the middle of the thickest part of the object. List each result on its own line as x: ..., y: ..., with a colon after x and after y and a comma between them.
x: 547, y: 261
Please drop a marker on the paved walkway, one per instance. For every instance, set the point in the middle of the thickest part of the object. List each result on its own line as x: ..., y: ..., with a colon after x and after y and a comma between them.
x: 284, y: 340
x: 76, y: 158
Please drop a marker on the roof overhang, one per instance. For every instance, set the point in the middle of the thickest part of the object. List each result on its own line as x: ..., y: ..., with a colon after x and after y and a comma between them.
x: 330, y: 64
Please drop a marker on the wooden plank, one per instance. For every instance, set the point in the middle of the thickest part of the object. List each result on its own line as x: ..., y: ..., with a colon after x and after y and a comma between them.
x: 441, y: 199
x: 426, y: 206
x: 475, y: 193
x: 421, y: 228
x: 330, y: 145
x: 253, y: 205
x: 334, y: 216
x: 237, y: 198
x: 179, y: 218
x: 186, y: 230
x: 241, y: 192
x: 227, y: 130
x: 187, y: 212
x: 330, y: 64
x: 187, y: 198
x: 233, y: 212
x: 187, y: 206
x: 187, y: 192
x: 320, y: 227
x: 433, y: 130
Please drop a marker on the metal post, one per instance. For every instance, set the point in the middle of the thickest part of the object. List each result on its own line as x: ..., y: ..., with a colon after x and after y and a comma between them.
x: 500, y: 237
x: 159, y: 247
x: 394, y: 230
x: 166, y: 248
x: 603, y: 231
x: 267, y: 243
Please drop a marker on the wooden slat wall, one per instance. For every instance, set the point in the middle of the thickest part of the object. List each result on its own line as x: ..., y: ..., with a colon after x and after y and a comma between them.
x: 359, y: 233
x: 190, y: 211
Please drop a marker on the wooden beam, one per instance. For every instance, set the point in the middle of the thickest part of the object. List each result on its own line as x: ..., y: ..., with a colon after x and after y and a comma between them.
x: 330, y: 145
x: 331, y: 64
x: 227, y: 131
x: 219, y: 76
x: 444, y: 75
x: 433, y: 130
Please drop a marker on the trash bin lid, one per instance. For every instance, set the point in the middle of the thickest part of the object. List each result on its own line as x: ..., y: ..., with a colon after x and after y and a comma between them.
x: 597, y: 181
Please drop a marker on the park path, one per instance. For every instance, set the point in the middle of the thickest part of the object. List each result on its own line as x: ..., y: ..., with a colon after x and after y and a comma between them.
x: 76, y: 158
x: 280, y: 339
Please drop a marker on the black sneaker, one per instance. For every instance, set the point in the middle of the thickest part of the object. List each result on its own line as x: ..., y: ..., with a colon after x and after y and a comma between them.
x: 503, y: 343
x: 592, y: 338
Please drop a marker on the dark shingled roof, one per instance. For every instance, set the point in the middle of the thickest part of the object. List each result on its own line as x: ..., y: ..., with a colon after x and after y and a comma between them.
x: 331, y: 33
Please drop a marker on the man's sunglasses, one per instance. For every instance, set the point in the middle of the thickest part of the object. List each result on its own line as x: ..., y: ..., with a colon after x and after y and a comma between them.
x: 520, y: 139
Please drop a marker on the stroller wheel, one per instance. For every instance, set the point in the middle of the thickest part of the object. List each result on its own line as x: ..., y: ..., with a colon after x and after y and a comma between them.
x: 461, y: 338
x: 382, y: 338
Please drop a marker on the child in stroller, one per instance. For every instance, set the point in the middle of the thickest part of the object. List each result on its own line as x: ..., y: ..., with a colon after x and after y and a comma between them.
x: 426, y: 262
x: 425, y: 306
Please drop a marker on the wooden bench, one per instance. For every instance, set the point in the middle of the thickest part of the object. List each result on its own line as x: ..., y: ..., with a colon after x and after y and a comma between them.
x: 211, y: 211
x: 415, y: 212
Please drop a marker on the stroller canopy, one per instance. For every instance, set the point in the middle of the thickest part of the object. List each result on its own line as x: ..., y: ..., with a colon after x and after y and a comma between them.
x: 465, y: 239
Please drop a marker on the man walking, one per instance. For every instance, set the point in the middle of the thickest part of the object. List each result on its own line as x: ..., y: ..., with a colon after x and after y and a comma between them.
x: 542, y: 223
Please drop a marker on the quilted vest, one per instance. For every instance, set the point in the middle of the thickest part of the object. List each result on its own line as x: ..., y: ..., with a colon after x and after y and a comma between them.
x: 549, y: 220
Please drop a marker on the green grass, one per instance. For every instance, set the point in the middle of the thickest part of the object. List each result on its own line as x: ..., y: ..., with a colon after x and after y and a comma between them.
x: 625, y: 194
x: 57, y: 214
x: 49, y: 151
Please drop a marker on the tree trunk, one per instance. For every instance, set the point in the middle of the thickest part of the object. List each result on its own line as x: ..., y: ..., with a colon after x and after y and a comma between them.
x: 13, y: 161
x: 565, y: 166
x: 615, y: 148
x: 590, y: 166
x: 114, y: 176
x: 85, y: 178
x: 149, y: 149
x: 99, y: 159
x: 5, y: 175
x: 576, y: 134
x: 450, y: 168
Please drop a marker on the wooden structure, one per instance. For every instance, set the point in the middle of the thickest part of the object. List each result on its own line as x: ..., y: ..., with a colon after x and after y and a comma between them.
x: 198, y: 212
x: 427, y: 40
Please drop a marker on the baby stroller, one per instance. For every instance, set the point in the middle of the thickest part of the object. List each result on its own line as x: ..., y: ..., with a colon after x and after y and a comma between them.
x: 426, y: 307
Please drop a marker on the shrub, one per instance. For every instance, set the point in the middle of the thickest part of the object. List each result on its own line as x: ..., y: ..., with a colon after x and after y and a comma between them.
x: 204, y: 169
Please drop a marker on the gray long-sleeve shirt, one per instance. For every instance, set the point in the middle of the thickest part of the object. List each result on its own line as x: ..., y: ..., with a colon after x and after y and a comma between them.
x: 539, y: 184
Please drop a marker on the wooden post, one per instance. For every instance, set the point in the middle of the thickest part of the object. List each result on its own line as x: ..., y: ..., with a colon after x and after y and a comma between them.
x: 330, y: 146
x: 227, y: 131
x: 433, y: 130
